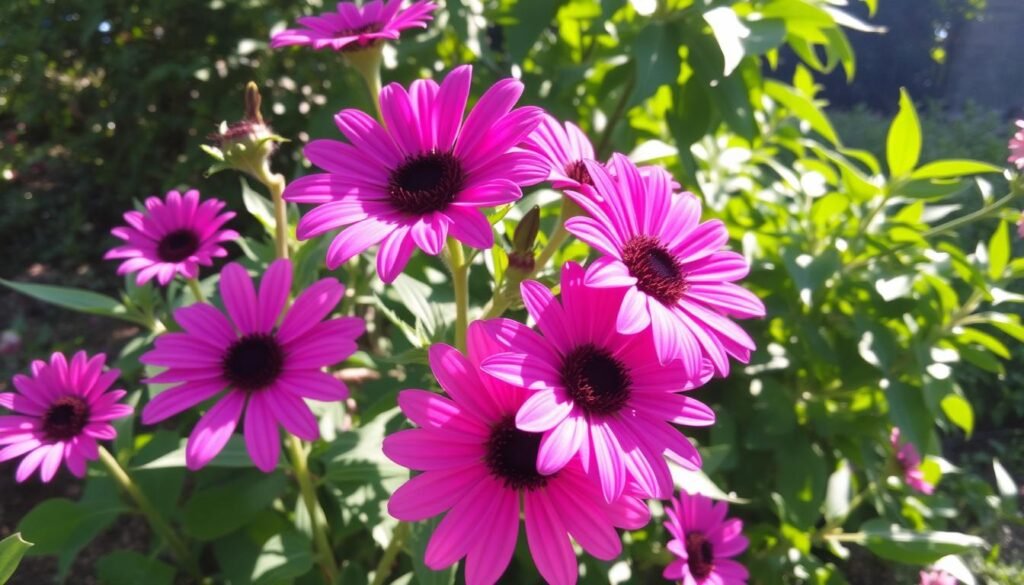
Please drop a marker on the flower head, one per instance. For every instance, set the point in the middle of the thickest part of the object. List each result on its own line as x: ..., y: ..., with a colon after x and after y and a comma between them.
x: 477, y: 468
x: 353, y: 27
x: 60, y: 412
x: 1017, y: 147
x: 704, y: 541
x: 909, y: 461
x: 676, y: 278
x: 597, y: 392
x: 422, y: 176
x: 268, y: 366
x: 937, y: 577
x: 563, y: 148
x: 245, y: 145
x: 173, y: 236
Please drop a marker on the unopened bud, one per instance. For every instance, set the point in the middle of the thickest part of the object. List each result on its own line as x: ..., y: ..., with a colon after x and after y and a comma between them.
x: 526, y: 232
x: 245, y: 145
x: 252, y: 103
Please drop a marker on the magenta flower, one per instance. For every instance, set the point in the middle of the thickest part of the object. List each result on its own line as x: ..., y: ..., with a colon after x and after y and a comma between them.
x: 423, y: 176
x: 353, y: 28
x: 705, y: 542
x: 173, y: 236
x: 268, y: 367
x: 937, y: 577
x: 1020, y: 225
x: 910, y: 463
x: 477, y: 468
x: 1017, y: 147
x: 60, y: 412
x: 563, y: 150
x: 676, y: 278
x: 596, y: 392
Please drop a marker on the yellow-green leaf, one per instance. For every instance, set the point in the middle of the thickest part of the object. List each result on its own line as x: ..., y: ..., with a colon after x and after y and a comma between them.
x: 903, y: 145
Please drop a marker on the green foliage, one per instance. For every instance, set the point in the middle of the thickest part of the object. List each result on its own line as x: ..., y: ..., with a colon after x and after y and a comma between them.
x: 12, y: 549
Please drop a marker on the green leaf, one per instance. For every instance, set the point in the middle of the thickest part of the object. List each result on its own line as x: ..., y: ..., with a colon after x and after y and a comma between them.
x: 77, y: 299
x: 801, y: 107
x: 56, y: 524
x: 690, y: 117
x: 656, y: 52
x: 421, y: 532
x: 1004, y: 482
x: 234, y: 454
x: 729, y: 31
x: 903, y: 145
x: 259, y: 207
x: 895, y: 543
x: 999, y: 251
x: 958, y: 410
x: 953, y: 168
x: 909, y: 412
x: 223, y: 508
x: 356, y: 456
x: 530, y: 18
x: 125, y: 567
x: 837, y: 495
x: 12, y: 549
x: 283, y: 557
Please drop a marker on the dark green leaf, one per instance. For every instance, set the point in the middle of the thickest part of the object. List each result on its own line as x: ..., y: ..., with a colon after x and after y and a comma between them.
x: 656, y: 52
x: 223, y: 508
x: 125, y: 567
x: 76, y: 299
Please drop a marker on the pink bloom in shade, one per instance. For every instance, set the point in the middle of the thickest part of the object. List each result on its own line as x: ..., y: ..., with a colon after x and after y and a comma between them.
x: 677, y: 280
x: 477, y: 468
x: 910, y: 462
x: 705, y: 542
x: 937, y: 577
x: 353, y: 28
x: 597, y: 392
x: 1020, y: 225
x: 60, y: 412
x: 423, y: 176
x: 267, y: 366
x: 1017, y: 147
x: 173, y: 236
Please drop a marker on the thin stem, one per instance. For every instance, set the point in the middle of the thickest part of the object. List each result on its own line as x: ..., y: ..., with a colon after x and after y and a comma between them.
x: 197, y: 291
x: 613, y: 120
x: 460, y: 282
x: 387, y: 561
x: 367, y: 62
x: 325, y: 553
x: 156, y: 521
x: 275, y: 183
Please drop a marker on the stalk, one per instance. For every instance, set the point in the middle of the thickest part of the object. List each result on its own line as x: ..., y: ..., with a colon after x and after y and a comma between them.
x: 460, y: 282
x: 398, y: 538
x: 197, y: 291
x: 325, y: 553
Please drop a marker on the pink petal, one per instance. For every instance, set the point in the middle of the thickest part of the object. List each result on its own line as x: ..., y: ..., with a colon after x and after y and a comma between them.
x: 522, y: 370
x: 213, y: 430
x: 470, y: 227
x: 293, y: 414
x: 309, y: 308
x: 261, y: 436
x: 239, y: 297
x: 429, y: 410
x: 548, y: 314
x: 559, y: 446
x: 433, y: 492
x: 425, y: 451
x: 488, y: 557
x: 207, y: 323
x: 548, y: 540
x: 275, y: 286
x: 395, y: 252
x: 610, y: 466
x: 459, y: 530
x: 315, y: 385
x: 543, y: 411
x: 356, y: 238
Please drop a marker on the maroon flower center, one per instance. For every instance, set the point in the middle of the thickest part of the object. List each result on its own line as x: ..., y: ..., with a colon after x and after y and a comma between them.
x: 253, y: 362
x: 577, y: 171
x: 700, y: 554
x: 596, y: 380
x: 177, y: 245
x: 360, y: 44
x: 657, y: 272
x: 426, y: 183
x: 512, y: 456
x: 66, y: 418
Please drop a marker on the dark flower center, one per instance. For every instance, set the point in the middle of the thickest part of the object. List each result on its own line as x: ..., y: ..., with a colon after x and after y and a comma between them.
x: 360, y: 44
x: 253, y: 362
x: 177, y: 245
x: 596, y: 381
x: 657, y: 272
x: 512, y: 456
x: 577, y: 171
x: 66, y: 418
x: 700, y: 554
x: 426, y: 183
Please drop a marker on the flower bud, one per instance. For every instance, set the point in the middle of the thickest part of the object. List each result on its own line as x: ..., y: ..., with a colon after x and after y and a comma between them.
x: 245, y: 145
x: 521, y: 261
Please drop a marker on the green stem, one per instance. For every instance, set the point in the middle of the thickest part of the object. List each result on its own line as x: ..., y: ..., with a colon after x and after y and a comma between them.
x: 387, y: 561
x: 325, y: 553
x: 460, y: 282
x: 275, y: 183
x: 197, y: 291
x: 156, y: 521
x: 367, y: 62
x: 617, y: 114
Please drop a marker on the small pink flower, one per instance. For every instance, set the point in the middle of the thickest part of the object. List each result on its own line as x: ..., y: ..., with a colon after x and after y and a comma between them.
x: 704, y: 541
x: 269, y: 356
x: 421, y: 177
x: 352, y: 27
x: 61, y: 411
x: 1017, y: 147
x: 480, y: 471
x: 1020, y: 225
x: 937, y: 577
x: 910, y: 462
x: 173, y: 236
x: 563, y: 149
x: 677, y: 280
x: 595, y: 392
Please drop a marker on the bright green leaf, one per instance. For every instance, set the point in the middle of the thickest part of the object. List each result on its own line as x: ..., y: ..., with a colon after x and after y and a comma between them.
x: 76, y: 299
x: 802, y: 107
x: 12, y: 549
x: 895, y: 543
x: 953, y: 168
x: 958, y: 410
x: 999, y: 251
x: 903, y: 145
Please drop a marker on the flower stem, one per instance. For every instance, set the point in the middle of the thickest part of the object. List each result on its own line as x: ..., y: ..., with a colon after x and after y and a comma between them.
x: 197, y: 291
x: 367, y: 62
x: 460, y: 282
x: 156, y: 521
x: 325, y: 554
x: 275, y: 183
x: 398, y: 538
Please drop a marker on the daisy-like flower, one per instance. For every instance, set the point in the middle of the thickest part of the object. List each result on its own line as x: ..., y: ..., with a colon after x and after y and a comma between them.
x: 563, y: 148
x: 937, y: 577
x: 173, y: 236
x: 477, y: 468
x: 676, y: 278
x: 353, y: 28
x: 60, y: 412
x: 1017, y: 147
x: 596, y: 392
x: 423, y: 176
x: 909, y: 461
x: 704, y: 542
x: 268, y: 367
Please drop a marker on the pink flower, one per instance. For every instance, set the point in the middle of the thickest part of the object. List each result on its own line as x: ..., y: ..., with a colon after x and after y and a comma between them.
x: 1017, y: 147
x: 563, y: 149
x: 477, y: 468
x: 268, y: 367
x: 173, y: 236
x: 61, y: 411
x: 423, y: 176
x: 705, y: 542
x: 910, y: 462
x: 676, y: 278
x: 937, y: 577
x: 596, y: 392
x: 353, y: 28
x: 1020, y: 225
